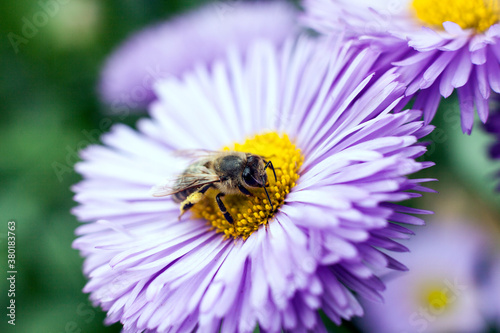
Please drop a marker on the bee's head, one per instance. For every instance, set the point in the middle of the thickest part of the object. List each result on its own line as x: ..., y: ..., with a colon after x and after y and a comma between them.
x: 254, y: 174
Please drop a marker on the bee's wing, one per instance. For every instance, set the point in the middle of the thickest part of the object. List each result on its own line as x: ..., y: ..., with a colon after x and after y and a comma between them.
x: 194, y: 154
x: 163, y: 189
x: 183, y: 182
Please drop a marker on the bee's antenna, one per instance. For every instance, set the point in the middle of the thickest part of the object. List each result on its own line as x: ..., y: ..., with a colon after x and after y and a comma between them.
x: 268, y: 198
x: 270, y: 164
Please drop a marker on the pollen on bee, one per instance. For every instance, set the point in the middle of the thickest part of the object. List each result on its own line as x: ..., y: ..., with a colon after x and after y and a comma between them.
x: 249, y: 213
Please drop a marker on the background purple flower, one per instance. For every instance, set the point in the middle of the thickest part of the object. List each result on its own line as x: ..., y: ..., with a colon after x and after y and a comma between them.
x: 441, y: 292
x: 199, y: 37
x: 434, y: 60
x: 325, y: 244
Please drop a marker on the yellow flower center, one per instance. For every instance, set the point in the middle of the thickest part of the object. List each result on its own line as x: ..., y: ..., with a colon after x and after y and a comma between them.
x: 468, y: 14
x: 437, y: 299
x: 434, y: 296
x: 249, y: 213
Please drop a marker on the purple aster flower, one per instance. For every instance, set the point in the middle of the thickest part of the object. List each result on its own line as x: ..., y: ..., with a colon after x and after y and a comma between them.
x: 341, y: 159
x: 201, y: 36
x: 441, y: 292
x: 441, y: 45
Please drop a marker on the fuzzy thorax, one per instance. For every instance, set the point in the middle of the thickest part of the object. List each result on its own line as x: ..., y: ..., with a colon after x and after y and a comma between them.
x: 249, y: 213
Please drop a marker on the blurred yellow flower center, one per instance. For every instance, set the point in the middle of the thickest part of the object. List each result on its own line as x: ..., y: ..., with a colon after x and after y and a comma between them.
x: 468, y: 14
x: 249, y: 213
x: 437, y: 299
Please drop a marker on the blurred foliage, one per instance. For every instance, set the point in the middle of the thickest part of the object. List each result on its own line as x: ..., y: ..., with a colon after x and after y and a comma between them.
x: 49, y: 103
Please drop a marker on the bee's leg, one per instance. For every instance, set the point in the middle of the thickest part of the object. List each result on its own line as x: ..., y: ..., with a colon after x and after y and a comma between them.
x: 193, y: 199
x: 244, y: 190
x: 270, y: 164
x: 223, y: 209
x: 268, y: 198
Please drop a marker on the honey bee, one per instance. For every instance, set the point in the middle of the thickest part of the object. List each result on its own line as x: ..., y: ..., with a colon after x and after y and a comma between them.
x: 227, y: 172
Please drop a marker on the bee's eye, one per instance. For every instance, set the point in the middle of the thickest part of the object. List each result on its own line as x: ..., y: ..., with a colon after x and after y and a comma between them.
x: 250, y: 179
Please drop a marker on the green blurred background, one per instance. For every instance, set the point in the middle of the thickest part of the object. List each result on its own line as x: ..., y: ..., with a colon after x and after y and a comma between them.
x: 48, y: 104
